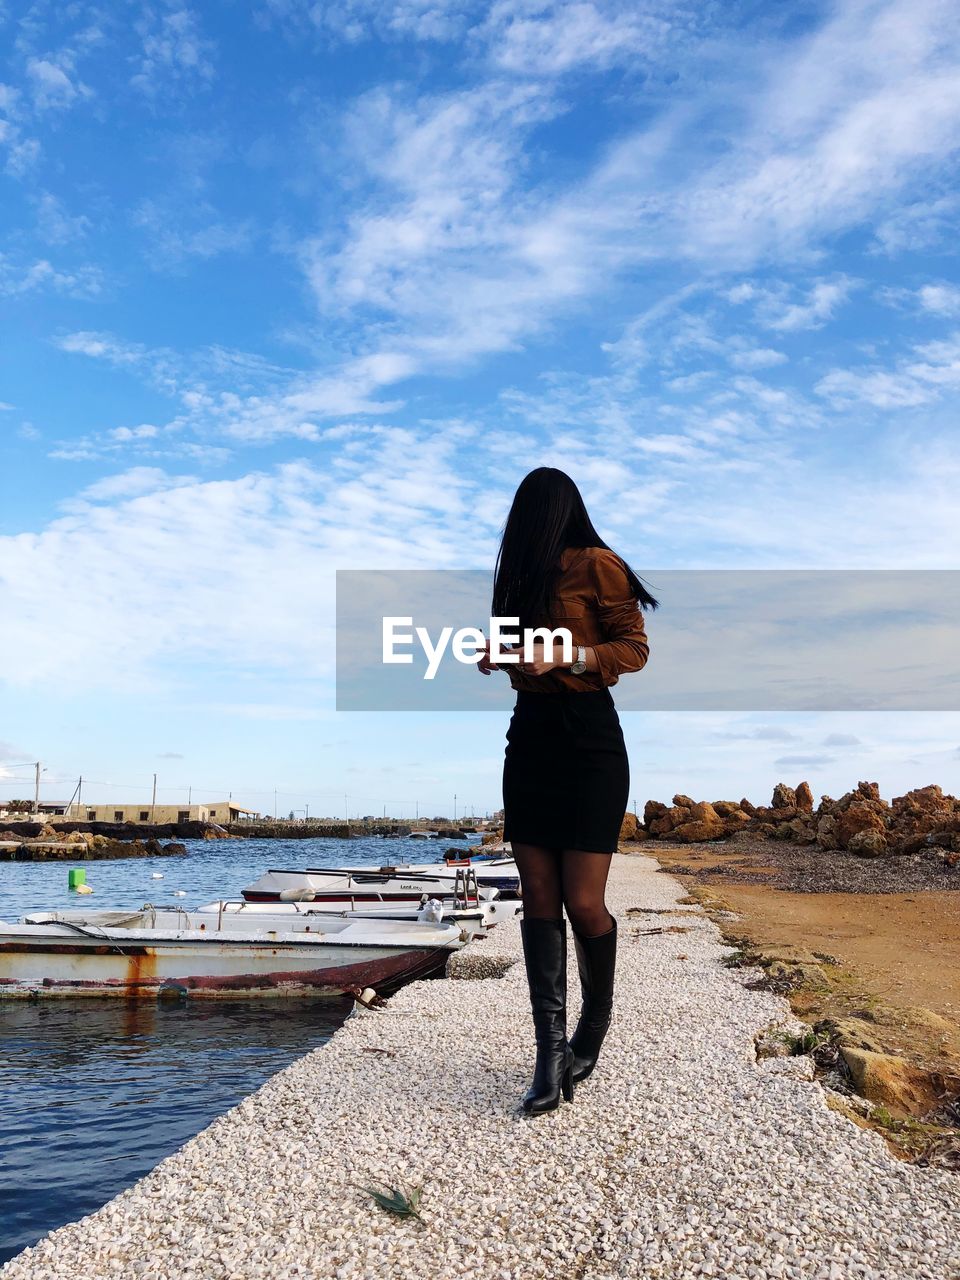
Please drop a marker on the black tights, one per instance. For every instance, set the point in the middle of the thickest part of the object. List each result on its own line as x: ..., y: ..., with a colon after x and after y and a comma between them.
x: 552, y: 879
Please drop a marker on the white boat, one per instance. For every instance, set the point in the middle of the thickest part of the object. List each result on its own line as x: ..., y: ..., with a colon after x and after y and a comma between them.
x: 227, y: 954
x: 490, y: 868
x: 400, y: 882
x: 476, y: 920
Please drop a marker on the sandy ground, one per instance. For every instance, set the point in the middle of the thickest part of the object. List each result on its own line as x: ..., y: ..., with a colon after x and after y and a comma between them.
x: 683, y: 1156
x: 906, y: 947
x: 899, y: 951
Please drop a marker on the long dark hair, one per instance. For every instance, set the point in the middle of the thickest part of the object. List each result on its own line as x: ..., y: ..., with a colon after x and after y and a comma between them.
x: 547, y: 516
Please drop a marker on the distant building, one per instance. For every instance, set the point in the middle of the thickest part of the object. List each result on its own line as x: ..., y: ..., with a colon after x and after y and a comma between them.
x: 219, y: 811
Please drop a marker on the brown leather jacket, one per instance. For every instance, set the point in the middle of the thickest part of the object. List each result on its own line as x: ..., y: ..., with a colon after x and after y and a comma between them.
x: 595, y: 603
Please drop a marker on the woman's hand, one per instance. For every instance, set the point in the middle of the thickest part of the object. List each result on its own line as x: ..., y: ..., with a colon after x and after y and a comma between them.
x: 485, y: 665
x: 541, y: 662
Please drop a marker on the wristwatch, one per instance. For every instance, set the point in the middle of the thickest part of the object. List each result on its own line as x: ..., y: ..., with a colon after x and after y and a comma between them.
x: 580, y: 666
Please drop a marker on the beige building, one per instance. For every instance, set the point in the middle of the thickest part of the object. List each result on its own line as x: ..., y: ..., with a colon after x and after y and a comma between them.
x: 219, y: 811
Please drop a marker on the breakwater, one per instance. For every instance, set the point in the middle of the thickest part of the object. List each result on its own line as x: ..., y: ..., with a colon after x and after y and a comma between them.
x: 97, y: 848
x: 53, y: 832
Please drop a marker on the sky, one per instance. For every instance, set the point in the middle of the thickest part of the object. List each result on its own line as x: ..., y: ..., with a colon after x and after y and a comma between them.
x: 295, y: 287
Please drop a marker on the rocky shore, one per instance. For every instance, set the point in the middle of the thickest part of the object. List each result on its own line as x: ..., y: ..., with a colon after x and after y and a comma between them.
x: 687, y: 1154
x: 50, y: 844
x: 923, y: 821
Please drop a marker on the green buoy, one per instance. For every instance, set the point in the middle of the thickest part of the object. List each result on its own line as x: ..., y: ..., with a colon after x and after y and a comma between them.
x: 76, y: 876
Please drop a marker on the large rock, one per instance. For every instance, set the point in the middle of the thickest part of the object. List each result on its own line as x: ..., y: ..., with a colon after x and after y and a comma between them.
x: 629, y: 827
x: 734, y: 821
x: 853, y: 1033
x: 668, y: 821
x: 784, y: 797
x: 894, y: 1083
x: 858, y: 816
x: 828, y: 832
x: 922, y: 800
x: 868, y: 844
x: 799, y: 830
x: 804, y: 798
x: 652, y: 811
x: 704, y: 823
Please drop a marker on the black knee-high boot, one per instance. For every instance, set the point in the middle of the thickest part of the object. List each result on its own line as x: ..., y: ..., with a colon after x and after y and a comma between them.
x: 545, y: 954
x: 596, y: 960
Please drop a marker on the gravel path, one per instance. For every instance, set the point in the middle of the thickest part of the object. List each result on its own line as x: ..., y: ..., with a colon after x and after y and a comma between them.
x: 680, y: 1157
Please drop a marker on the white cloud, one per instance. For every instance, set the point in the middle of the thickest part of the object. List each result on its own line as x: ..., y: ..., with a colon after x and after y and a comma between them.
x: 919, y: 225
x: 21, y: 278
x: 51, y: 86
x: 919, y: 378
x: 174, y: 51
x: 175, y: 234
x: 129, y: 484
x: 775, y: 310
x: 102, y: 346
x: 941, y: 299
x: 757, y: 358
x: 456, y: 258
x: 55, y: 224
x: 844, y: 118
x: 356, y: 20
x: 261, y: 551
x: 538, y: 38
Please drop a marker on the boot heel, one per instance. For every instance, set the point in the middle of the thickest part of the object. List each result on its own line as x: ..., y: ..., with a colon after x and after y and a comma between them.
x: 566, y: 1082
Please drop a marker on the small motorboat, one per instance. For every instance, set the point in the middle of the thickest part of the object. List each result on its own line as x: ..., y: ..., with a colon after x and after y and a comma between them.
x: 491, y: 870
x: 223, y: 954
x: 350, y: 887
x: 477, y: 920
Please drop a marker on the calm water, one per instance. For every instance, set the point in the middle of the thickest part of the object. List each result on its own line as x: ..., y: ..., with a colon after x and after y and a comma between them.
x: 93, y: 1093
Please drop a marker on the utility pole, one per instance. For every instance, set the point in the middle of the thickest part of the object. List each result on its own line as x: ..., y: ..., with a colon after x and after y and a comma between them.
x: 36, y: 789
x: 153, y: 802
x: 189, y: 795
x: 274, y: 802
x: 306, y: 814
x: 454, y: 807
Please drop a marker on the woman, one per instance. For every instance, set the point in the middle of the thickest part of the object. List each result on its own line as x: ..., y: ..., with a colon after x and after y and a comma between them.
x: 565, y: 774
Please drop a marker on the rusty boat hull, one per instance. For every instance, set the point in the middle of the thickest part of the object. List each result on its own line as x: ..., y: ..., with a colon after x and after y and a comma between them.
x: 51, y: 955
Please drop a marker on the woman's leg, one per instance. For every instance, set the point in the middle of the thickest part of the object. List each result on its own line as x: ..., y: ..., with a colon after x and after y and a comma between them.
x: 595, y: 938
x: 584, y: 880
x: 539, y: 881
x: 544, y: 933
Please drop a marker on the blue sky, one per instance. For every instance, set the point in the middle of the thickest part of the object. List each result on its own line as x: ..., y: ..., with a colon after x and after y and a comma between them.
x: 292, y: 287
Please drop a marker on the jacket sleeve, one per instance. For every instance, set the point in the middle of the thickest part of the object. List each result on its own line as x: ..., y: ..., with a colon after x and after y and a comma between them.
x: 625, y: 646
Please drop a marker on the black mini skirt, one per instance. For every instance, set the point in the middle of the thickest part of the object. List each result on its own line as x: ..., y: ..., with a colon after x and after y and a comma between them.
x: 566, y: 778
